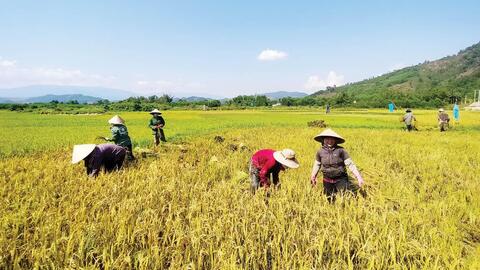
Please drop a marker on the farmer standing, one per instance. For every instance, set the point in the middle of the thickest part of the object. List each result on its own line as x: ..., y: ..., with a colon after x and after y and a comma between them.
x: 409, y: 119
x: 456, y: 112
x: 108, y: 156
x: 391, y: 106
x: 156, y: 124
x: 443, y: 120
x: 120, y: 135
x: 267, y: 162
x: 333, y: 160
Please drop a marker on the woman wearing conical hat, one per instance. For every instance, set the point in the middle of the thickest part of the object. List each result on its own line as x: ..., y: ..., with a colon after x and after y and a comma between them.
x: 108, y: 156
x: 120, y: 135
x: 332, y: 160
x: 156, y: 124
x: 267, y: 162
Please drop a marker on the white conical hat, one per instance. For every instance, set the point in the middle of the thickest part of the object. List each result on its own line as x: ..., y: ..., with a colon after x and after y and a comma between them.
x: 155, y: 111
x: 81, y: 151
x: 287, y: 158
x: 116, y: 120
x: 329, y: 133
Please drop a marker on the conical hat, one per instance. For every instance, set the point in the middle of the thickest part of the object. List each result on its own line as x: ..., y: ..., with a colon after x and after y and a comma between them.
x: 81, y: 151
x: 116, y: 120
x: 287, y: 158
x: 329, y: 133
x: 155, y: 111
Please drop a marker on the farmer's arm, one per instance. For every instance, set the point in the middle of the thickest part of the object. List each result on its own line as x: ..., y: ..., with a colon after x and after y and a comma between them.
x: 151, y: 125
x: 351, y: 166
x: 93, y: 164
x: 316, y: 168
x: 265, y: 173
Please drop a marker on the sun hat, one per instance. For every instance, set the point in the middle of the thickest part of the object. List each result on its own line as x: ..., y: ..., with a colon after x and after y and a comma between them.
x: 441, y: 110
x: 329, y: 133
x: 287, y: 158
x: 155, y: 112
x: 116, y: 120
x: 81, y: 151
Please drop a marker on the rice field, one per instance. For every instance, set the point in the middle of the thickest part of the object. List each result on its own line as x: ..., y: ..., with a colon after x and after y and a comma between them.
x: 186, y: 204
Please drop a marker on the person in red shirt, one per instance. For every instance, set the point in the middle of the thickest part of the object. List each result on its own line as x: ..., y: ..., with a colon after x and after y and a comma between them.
x: 268, y: 162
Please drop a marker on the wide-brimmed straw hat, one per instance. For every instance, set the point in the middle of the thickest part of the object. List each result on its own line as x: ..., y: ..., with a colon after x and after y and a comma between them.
x: 287, y: 158
x: 441, y: 110
x: 81, y: 151
x: 116, y: 120
x: 329, y: 133
x: 155, y: 112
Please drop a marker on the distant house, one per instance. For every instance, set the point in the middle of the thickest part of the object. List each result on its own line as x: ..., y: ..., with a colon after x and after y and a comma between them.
x: 277, y: 104
x: 473, y: 107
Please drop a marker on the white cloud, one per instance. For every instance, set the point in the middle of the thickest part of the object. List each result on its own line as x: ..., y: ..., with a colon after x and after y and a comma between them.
x: 13, y: 75
x: 314, y: 82
x: 7, y: 63
x: 271, y: 55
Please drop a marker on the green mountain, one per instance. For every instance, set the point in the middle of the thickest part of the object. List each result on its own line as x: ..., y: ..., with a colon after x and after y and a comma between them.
x: 63, y: 98
x: 430, y: 84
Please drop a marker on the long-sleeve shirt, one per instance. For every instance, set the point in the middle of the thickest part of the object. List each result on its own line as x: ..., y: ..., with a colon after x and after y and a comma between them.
x: 443, y: 117
x: 264, y: 161
x: 408, y: 118
x: 110, y: 156
x: 156, y: 121
x: 120, y: 135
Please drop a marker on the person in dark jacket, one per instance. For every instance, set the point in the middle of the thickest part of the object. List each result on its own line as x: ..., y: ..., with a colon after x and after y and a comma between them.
x: 443, y: 120
x: 156, y: 124
x: 120, y: 135
x: 110, y: 157
x: 268, y: 163
x: 332, y: 160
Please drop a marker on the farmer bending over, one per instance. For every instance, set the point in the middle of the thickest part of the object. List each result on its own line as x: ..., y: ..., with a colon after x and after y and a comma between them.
x: 156, y: 124
x: 108, y: 156
x: 268, y: 162
x: 332, y: 160
x: 120, y: 135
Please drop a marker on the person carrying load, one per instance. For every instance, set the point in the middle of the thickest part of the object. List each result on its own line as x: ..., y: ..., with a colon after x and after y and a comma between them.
x: 268, y: 163
x: 156, y: 124
x: 332, y: 160
x: 108, y: 156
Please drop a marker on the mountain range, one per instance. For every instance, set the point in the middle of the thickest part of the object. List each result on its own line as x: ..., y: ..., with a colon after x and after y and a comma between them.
x: 42, y: 90
x: 449, y: 79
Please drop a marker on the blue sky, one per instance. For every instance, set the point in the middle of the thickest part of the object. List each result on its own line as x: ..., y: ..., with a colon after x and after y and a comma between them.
x: 224, y: 48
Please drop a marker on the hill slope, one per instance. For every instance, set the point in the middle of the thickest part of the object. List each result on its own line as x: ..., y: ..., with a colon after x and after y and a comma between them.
x: 432, y: 83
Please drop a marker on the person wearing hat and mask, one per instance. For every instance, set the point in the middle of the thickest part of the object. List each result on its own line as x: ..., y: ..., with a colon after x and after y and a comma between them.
x: 443, y: 120
x: 120, y: 135
x: 333, y: 160
x: 267, y: 162
x: 108, y: 156
x: 156, y: 124
x: 409, y: 120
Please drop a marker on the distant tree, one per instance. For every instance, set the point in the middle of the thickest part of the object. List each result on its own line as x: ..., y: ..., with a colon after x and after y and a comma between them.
x: 165, y: 99
x: 214, y: 103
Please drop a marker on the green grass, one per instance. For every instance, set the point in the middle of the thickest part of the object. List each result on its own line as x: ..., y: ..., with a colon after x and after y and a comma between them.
x: 28, y: 133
